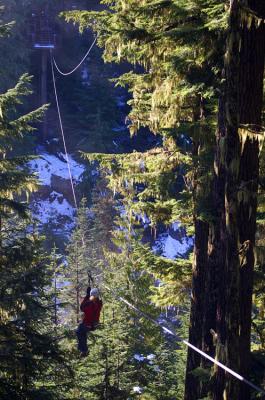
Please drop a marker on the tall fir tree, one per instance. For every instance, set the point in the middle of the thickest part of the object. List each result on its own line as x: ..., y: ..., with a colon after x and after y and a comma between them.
x: 32, y: 364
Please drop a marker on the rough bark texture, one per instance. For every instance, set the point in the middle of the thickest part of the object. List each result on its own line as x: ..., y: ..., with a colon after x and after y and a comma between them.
x: 227, y: 272
x: 214, y: 321
x: 230, y: 342
x: 250, y: 109
x: 244, y: 69
x: 192, y: 384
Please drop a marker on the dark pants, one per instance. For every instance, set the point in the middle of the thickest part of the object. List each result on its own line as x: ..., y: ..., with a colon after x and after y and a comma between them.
x: 81, y: 334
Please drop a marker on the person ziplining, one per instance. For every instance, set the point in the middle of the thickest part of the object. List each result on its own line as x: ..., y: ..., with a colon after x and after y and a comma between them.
x: 91, y: 307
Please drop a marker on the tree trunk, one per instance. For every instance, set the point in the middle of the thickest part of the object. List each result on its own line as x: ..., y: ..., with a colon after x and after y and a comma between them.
x: 192, y: 384
x: 250, y: 108
x: 227, y: 332
x: 215, y: 307
x: 227, y: 275
x: 243, y: 101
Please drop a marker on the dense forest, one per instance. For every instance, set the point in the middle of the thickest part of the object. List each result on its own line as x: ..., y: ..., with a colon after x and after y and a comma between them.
x: 132, y: 162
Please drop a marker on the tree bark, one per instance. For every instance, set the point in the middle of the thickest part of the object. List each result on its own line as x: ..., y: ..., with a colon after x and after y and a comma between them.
x: 192, y: 384
x: 227, y: 329
x: 215, y: 302
x: 226, y: 275
x: 251, y: 75
x: 244, y: 69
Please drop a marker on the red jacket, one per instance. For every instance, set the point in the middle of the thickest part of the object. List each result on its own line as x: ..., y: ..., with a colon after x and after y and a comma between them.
x: 91, y: 309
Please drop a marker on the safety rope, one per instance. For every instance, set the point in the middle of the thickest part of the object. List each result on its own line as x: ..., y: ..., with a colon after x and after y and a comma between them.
x: 78, y: 65
x: 62, y: 133
x: 120, y: 298
x: 170, y: 332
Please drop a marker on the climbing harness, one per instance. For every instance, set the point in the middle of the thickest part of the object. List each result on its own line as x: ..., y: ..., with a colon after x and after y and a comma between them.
x: 120, y: 298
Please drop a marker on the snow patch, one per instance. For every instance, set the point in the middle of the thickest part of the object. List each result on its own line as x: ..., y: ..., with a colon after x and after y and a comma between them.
x: 143, y: 218
x: 139, y: 357
x: 48, y: 165
x: 137, y: 389
x: 55, y: 210
x: 150, y: 357
x: 170, y: 247
x: 175, y: 226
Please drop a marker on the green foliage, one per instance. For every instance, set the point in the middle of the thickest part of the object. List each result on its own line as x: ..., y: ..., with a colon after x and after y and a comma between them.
x: 112, y: 370
x: 32, y: 365
x: 174, y: 92
x: 15, y: 49
x: 171, y: 41
x: 15, y: 179
x: 150, y: 178
x: 80, y: 264
x: 31, y: 362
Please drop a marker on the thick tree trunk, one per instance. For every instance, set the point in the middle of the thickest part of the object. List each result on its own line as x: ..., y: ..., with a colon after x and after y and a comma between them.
x: 215, y: 304
x: 228, y: 272
x: 250, y: 108
x: 192, y: 384
x: 243, y: 101
x: 227, y: 332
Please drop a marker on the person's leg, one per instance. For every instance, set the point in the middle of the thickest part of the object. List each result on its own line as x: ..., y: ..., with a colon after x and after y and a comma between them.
x: 81, y: 334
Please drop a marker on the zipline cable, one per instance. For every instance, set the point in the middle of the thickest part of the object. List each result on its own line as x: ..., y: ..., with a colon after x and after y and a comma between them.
x: 120, y: 298
x: 170, y: 332
x: 62, y: 133
x: 78, y: 65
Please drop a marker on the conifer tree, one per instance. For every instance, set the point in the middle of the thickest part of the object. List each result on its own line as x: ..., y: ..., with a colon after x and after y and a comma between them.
x: 31, y: 361
x: 118, y: 363
x: 80, y: 264
x: 15, y: 178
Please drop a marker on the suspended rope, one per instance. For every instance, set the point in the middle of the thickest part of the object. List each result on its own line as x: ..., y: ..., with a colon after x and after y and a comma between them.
x: 63, y: 137
x: 170, y: 332
x: 79, y: 65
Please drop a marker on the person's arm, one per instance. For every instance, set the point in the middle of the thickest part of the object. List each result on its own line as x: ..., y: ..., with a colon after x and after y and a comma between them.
x: 84, y: 303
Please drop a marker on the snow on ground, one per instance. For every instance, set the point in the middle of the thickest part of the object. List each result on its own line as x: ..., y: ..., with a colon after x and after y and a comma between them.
x: 143, y: 218
x: 50, y: 206
x: 137, y: 389
x: 139, y: 357
x: 49, y: 164
x: 55, y: 210
x: 175, y: 226
x: 170, y: 247
x: 150, y: 357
